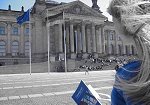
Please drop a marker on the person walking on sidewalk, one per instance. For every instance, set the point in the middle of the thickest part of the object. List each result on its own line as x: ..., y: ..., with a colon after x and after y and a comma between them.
x: 86, y: 70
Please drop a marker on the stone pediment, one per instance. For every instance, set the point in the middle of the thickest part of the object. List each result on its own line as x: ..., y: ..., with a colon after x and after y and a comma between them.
x: 79, y: 8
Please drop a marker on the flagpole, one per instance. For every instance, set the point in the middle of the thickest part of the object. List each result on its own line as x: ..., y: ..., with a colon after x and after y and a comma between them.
x: 48, y: 34
x: 65, y: 45
x: 30, y: 42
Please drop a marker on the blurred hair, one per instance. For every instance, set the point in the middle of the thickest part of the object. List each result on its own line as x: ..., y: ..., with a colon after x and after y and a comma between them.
x: 133, y: 15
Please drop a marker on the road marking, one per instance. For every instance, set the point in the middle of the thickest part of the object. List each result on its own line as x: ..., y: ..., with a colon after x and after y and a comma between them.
x: 13, y: 97
x: 7, y: 87
x: 44, y: 85
x: 3, y: 98
x: 34, y: 86
x: 35, y: 95
x: 24, y: 96
x: 65, y: 92
x: 18, y: 87
x: 27, y: 86
x: 47, y: 94
x: 47, y: 80
x: 50, y: 94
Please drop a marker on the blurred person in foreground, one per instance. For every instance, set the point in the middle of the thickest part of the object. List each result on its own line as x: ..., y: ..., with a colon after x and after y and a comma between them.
x: 132, y: 80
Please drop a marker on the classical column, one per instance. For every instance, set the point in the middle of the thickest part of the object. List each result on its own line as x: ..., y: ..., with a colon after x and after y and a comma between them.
x: 56, y: 37
x: 93, y: 38
x: 103, y: 39
x: 79, y: 46
x: 83, y: 38
x: 60, y: 38
x: 71, y: 37
x: 88, y: 32
x: 67, y: 39
x: 130, y: 49
x: 9, y: 39
x: 124, y: 49
x: 108, y: 41
x: 105, y: 42
x: 116, y: 43
x: 22, y: 40
x: 98, y: 40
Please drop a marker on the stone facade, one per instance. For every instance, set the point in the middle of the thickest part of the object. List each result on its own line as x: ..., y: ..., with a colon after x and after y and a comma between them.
x: 72, y: 27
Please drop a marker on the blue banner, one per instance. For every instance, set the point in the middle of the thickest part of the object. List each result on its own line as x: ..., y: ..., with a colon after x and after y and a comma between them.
x: 83, y: 96
x: 23, y: 18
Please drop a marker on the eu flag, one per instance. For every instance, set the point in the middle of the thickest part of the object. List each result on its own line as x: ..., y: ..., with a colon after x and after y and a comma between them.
x: 23, y: 18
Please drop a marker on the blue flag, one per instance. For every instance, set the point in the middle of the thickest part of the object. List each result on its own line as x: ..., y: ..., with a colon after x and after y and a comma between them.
x: 23, y: 18
x: 85, y: 95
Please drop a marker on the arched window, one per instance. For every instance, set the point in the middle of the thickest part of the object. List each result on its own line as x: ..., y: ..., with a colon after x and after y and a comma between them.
x: 15, y: 48
x: 27, y: 48
x: 15, y: 31
x: 119, y: 38
x: 111, y: 35
x: 26, y: 31
x: 2, y: 30
x: 2, y: 48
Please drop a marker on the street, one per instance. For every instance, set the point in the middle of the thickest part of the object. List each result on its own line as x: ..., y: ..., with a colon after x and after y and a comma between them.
x: 52, y: 88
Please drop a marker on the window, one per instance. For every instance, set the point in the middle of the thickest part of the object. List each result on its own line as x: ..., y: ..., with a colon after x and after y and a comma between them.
x: 15, y: 48
x: 106, y: 34
x: 111, y: 49
x: 15, y: 31
x: 119, y: 38
x: 2, y: 48
x: 27, y: 48
x: 27, y: 31
x: 2, y: 30
x: 127, y: 50
x: 119, y: 49
x: 111, y: 35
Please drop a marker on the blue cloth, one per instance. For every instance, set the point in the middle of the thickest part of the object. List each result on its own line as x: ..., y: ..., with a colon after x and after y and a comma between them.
x: 129, y: 70
x: 117, y: 97
x: 23, y: 18
x: 126, y: 72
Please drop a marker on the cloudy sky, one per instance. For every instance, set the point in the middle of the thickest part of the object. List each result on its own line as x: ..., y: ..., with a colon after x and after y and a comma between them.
x: 16, y: 4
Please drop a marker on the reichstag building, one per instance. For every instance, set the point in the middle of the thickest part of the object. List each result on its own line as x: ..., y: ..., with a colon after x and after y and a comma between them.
x: 73, y: 28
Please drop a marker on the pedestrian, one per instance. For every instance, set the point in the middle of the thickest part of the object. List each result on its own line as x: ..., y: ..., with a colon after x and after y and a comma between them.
x: 132, y: 80
x: 117, y: 67
x: 86, y: 70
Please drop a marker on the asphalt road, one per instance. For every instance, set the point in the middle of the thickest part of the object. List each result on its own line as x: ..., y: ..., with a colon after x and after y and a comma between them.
x: 52, y: 88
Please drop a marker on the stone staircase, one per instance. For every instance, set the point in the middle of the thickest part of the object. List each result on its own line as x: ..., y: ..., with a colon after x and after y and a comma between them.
x: 57, y: 66
x: 24, y: 68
